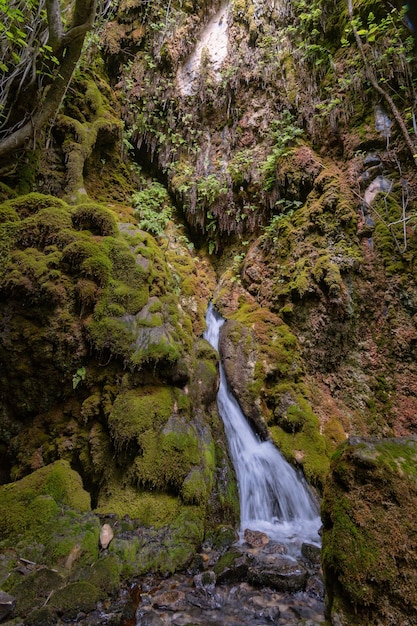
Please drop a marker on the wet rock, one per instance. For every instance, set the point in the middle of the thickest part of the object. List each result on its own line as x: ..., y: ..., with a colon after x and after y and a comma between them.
x: 204, y: 601
x: 274, y: 547
x: 281, y: 573
x: 206, y: 580
x: 312, y: 553
x: 255, y: 538
x: 149, y: 619
x: 371, y: 160
x: 171, y: 600
x: 7, y: 604
x: 315, y: 587
x: 233, y: 567
x: 238, y: 351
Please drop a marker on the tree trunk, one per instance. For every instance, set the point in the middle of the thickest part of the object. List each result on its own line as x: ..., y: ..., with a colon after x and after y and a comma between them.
x: 69, y: 45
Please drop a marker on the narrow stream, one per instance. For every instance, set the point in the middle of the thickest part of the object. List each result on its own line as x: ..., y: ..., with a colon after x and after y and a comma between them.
x: 274, y: 498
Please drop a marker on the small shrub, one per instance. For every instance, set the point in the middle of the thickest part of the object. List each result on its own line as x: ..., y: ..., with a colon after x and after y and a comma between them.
x: 152, y: 208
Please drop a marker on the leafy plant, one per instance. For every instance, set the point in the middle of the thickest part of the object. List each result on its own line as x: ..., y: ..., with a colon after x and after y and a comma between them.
x: 152, y: 208
x: 284, y: 134
x: 78, y: 377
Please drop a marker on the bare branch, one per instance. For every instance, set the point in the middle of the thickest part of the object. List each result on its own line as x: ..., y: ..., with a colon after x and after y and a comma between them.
x: 55, y: 27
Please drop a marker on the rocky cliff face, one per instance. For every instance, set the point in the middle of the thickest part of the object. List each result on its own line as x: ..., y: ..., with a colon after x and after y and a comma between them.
x: 257, y: 154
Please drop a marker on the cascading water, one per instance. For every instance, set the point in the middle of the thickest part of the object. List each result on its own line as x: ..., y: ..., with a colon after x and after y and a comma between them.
x: 274, y: 498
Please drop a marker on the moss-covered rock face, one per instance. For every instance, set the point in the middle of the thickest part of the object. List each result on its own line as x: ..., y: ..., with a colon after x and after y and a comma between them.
x: 275, y: 179
x: 104, y: 373
x: 369, y: 530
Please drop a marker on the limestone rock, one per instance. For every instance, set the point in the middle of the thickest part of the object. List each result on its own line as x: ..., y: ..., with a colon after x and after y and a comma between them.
x: 311, y: 552
x: 106, y: 535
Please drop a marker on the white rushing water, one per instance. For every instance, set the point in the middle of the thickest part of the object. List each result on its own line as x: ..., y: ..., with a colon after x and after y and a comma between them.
x: 274, y: 498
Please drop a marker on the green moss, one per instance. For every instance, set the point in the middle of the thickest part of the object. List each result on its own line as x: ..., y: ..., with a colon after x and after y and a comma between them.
x: 194, y: 489
x: 6, y: 192
x: 137, y: 411
x: 349, y: 539
x: 166, y: 458
x: 45, y: 616
x: 31, y: 203
x: 86, y: 258
x: 105, y: 574
x: 8, y: 213
x: 127, y: 552
x: 75, y: 597
x: 327, y: 272
x: 152, y: 509
x: 368, y: 518
x: 95, y: 218
x: 298, y: 433
x: 35, y: 589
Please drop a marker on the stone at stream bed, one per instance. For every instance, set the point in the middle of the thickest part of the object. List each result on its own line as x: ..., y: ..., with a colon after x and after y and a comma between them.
x: 7, y: 604
x: 280, y: 572
x: 315, y: 587
x: 255, y: 538
x: 206, y: 581
x: 312, y: 553
x: 171, y: 600
x: 233, y: 566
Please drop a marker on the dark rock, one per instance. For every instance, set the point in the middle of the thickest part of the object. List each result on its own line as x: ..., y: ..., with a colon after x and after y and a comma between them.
x: 315, y: 587
x: 204, y: 601
x: 281, y: 573
x: 312, y: 553
x: 371, y: 159
x: 274, y: 547
x: 7, y: 604
x: 149, y: 619
x: 233, y: 567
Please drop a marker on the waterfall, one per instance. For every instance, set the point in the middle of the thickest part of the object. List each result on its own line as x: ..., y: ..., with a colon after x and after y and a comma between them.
x: 274, y: 498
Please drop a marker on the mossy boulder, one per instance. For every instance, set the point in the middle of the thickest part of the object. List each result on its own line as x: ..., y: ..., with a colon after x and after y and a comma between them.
x: 28, y: 505
x: 47, y: 515
x: 75, y: 597
x: 369, y: 533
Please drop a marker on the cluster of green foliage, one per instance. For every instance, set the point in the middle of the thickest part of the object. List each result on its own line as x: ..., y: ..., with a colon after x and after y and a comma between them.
x: 152, y: 208
x: 284, y: 134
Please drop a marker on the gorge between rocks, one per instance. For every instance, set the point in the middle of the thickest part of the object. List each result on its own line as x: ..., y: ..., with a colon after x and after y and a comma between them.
x: 208, y: 312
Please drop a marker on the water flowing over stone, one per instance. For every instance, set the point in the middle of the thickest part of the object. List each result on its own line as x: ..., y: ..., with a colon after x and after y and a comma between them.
x: 214, y: 39
x: 274, y: 498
